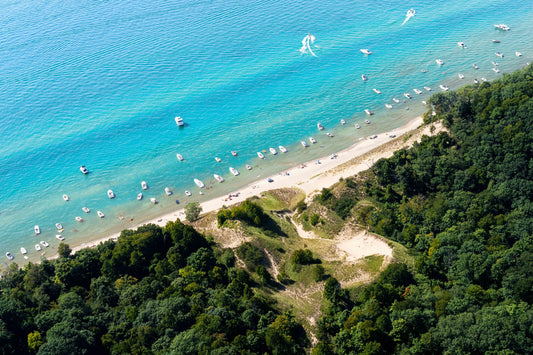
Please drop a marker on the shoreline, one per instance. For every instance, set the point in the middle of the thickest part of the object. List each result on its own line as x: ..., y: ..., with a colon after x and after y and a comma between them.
x: 310, y: 177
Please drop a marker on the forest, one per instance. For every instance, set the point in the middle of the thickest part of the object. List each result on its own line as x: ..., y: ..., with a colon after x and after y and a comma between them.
x: 460, y: 201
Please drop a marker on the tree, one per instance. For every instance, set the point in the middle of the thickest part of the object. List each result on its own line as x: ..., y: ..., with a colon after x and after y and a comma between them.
x: 192, y: 211
x: 34, y: 341
x: 64, y: 250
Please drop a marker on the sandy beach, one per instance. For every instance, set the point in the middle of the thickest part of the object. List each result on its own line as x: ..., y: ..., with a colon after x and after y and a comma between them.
x: 311, y: 176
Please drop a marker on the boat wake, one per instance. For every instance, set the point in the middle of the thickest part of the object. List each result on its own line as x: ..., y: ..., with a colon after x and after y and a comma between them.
x: 306, y: 44
x: 408, y: 16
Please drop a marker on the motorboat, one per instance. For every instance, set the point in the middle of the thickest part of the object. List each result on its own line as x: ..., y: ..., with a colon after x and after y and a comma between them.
x: 443, y: 87
x: 23, y: 251
x: 260, y: 155
x: 139, y: 196
x: 495, y: 41
x: 312, y: 140
x: 282, y: 149
x: 408, y: 96
x: 368, y: 112
x: 84, y: 170
x: 270, y: 180
x: 78, y: 219
x: 476, y: 81
x: 364, y: 77
x: 169, y: 192
x: 9, y: 256
x: 218, y: 160
x: 234, y: 153
x: 44, y: 244
x: 180, y: 157
x: 153, y: 200
x: 329, y: 135
x: 502, y: 27
x: 410, y: 13
x: 273, y: 151
x: 199, y: 183
x: 499, y: 54
x: 60, y: 237
x: 427, y: 88
x: 110, y: 193
x: 518, y: 54
x: 483, y: 79
x: 37, y: 229
x: 365, y: 51
x: 248, y: 167
x: 59, y: 226
x: 357, y: 126
x: 100, y: 214
x: 367, y: 121
x: 86, y: 209
x: 396, y: 100
x: 38, y: 247
x: 461, y: 76
x: 304, y: 144
x: 144, y: 185
x: 418, y: 92
x: 439, y: 61
x: 424, y: 102
x: 320, y: 127
x: 376, y: 91
x: 233, y: 171
x: 389, y: 106
x: 188, y: 193
x: 461, y: 44
x: 218, y: 178
x: 495, y: 63
x: 343, y: 122
x: 65, y: 197
x: 475, y: 66
x: 179, y: 121
x: 496, y: 70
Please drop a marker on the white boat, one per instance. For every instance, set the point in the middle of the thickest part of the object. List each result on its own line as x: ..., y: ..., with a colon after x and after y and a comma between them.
x: 357, y: 126
x: 496, y: 70
x: 410, y: 13
x: 60, y: 237
x: 282, y: 149
x: 408, y: 96
x: 218, y: 178
x: 396, y: 100
x: 368, y: 112
x: 424, y: 102
x: 518, y: 54
x: 23, y: 251
x: 367, y: 121
x: 179, y: 121
x: 476, y: 81
x: 233, y: 171
x: 144, y: 185
x: 140, y: 196
x: 100, y: 214
x: 365, y: 51
x: 443, y: 87
x: 483, y: 79
x: 427, y: 88
x: 199, y: 183
x: 389, y: 106
x: 364, y: 77
x: 499, y: 54
x: 461, y: 44
x: 320, y: 127
x: 37, y: 229
x: 44, y: 244
x: 65, y: 197
x: 218, y: 160
x: 260, y: 155
x: 439, y: 61
x: 9, y: 256
x: 374, y: 136
x: 59, y: 226
x: 153, y: 200
x: 475, y: 66
x: 84, y: 170
x: 248, y: 167
x: 110, y: 194
x: 312, y: 140
x: 272, y: 151
x: 168, y: 192
x: 78, y: 219
x: 461, y: 76
x: 418, y: 92
x: 329, y: 135
x: 86, y: 209
x: 343, y: 122
x: 495, y: 64
x: 304, y: 144
x: 502, y: 27
x: 38, y: 247
x: 180, y: 157
x: 188, y: 193
x: 234, y: 153
x: 376, y: 91
x: 495, y: 41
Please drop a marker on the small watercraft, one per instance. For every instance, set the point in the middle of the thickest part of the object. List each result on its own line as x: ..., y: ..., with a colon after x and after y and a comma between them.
x: 38, y: 247
x: 100, y: 214
x: 168, y: 192
x: 476, y: 81
x: 427, y: 88
x: 443, y: 87
x: 84, y: 170
x: 364, y: 77
x: 139, y: 196
x: 365, y: 51
x: 248, y: 167
x: 234, y: 153
x: 86, y: 209
x: 461, y: 76
x: 218, y: 178
x: 304, y: 144
x: 329, y: 135
x: 377, y: 91
x: 496, y: 70
x: 199, y: 183
x: 37, y: 229
x: 495, y: 63
x: 424, y: 102
x: 272, y: 151
x: 59, y: 226
x: 233, y: 171
x: 312, y: 140
x: 65, y: 197
x: 502, y: 27
x: 9, y: 256
x: 180, y: 157
x: 367, y: 121
x: 475, y: 66
x: 343, y: 122
x: 408, y: 96
x: 396, y: 100
x: 439, y: 61
x: 495, y: 41
x: 483, y: 79
x: 110, y: 193
x: 218, y: 160
x: 44, y: 244
x: 179, y: 121
x: 23, y: 251
x: 368, y: 112
x: 518, y: 54
x: 153, y: 200
x: 78, y: 219
x: 144, y: 185
x: 461, y: 44
x: 60, y: 237
x: 389, y: 106
x: 320, y: 127
x: 418, y: 92
x: 282, y: 149
x: 260, y: 155
x: 357, y: 126
x: 188, y: 193
x: 499, y: 54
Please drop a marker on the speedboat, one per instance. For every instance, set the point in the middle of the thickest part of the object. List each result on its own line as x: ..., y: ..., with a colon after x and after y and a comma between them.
x: 199, y: 183
x: 38, y: 247
x: 218, y: 178
x: 418, y: 92
x: 365, y: 51
x: 389, y: 106
x: 496, y: 70
x: 443, y: 87
x: 168, y: 192
x: 9, y: 256
x: 518, y: 54
x: 408, y: 96
x: 343, y: 122
x: 180, y: 157
x: 86, y: 209
x: 499, y: 54
x: 502, y: 27
x: 312, y: 140
x: 272, y: 151
x: 364, y: 77
x: 282, y: 149
x: 427, y: 88
x: 367, y: 121
x: 475, y: 66
x: 461, y: 76
x: 44, y: 244
x: 495, y: 41
x: 304, y: 144
x: 410, y: 13
x: 153, y: 200
x: 234, y: 153
x: 329, y: 135
x: 368, y: 112
x: 78, y: 219
x: 59, y: 226
x: 233, y: 171
x: 84, y: 170
x: 144, y: 186
x: 260, y: 155
x: 60, y: 237
x: 476, y: 81
x: 357, y: 126
x: 320, y: 127
x: 139, y: 196
x: 218, y: 160
x: 377, y: 91
x: 179, y: 121
x: 396, y: 100
x: 37, y: 229
x: 188, y: 193
x: 65, y: 197
x: 100, y: 214
x: 248, y: 167
x: 461, y: 44
x: 23, y: 251
x: 439, y: 61
x: 110, y: 193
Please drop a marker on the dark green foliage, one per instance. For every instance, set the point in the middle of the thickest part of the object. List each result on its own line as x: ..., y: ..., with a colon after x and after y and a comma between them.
x: 313, y: 219
x: 251, y: 255
x: 303, y: 257
x: 192, y: 211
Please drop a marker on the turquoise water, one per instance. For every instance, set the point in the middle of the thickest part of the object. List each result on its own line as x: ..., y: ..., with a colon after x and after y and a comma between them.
x: 99, y: 84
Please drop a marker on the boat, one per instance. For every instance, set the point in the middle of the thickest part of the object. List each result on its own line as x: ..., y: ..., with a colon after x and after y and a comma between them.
x: 218, y: 178
x: 9, y: 256
x: 475, y: 66
x: 65, y: 197
x: 84, y: 170
x: 188, y: 193
x: 443, y: 87
x: 495, y: 41
x: 357, y: 126
x: 60, y: 237
x: 483, y: 79
x: 365, y: 51
x: 38, y: 247
x: 389, y: 106
x: 153, y: 200
x: 408, y: 96
x: 233, y: 171
x: 502, y: 27
x: 364, y: 77
x: 518, y: 54
x: 427, y: 88
x: 367, y: 121
x: 282, y: 149
x: 320, y: 127
x: 461, y: 44
x: 139, y: 196
x: 368, y: 112
x: 169, y: 192
x: 461, y: 76
x: 260, y: 155
x: 179, y: 121
x: 495, y: 63
x: 78, y: 219
x: 410, y: 13
x: 110, y: 194
x: 59, y: 226
x: 374, y: 136
x: 180, y: 157
x: 218, y: 160
x: 234, y: 153
x: 86, y: 209
x: 44, y: 244
x: 476, y: 81
x: 418, y: 92
x: 377, y: 91
x: 329, y: 135
x: 37, y: 229
x: 23, y: 251
x: 343, y: 122
x: 249, y: 167
x: 499, y: 54
x: 312, y: 140
x: 424, y: 102
x: 496, y: 70
x: 272, y: 151
x: 100, y: 214
x: 304, y: 144
x: 198, y: 183
x: 144, y: 185
x: 439, y: 61
x: 396, y: 100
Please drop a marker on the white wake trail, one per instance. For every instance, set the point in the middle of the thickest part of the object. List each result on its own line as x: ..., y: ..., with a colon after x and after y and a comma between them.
x: 310, y: 38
